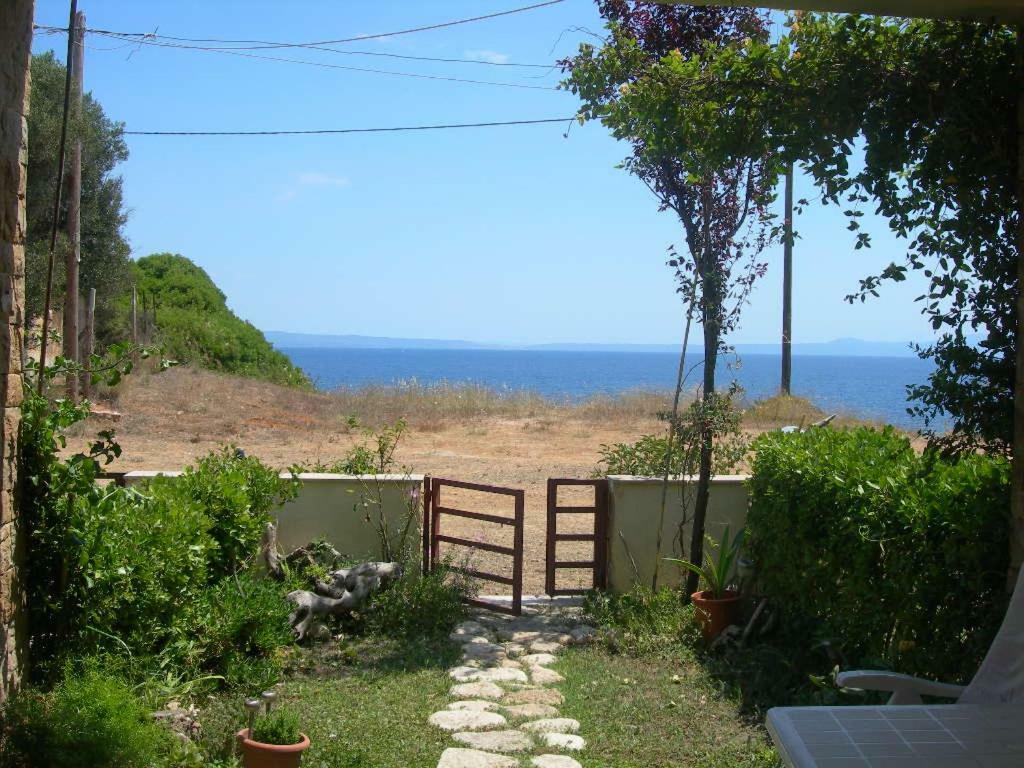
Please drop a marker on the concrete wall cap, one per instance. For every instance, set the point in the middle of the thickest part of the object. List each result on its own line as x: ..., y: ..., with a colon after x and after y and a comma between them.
x: 143, y: 474
x: 715, y: 479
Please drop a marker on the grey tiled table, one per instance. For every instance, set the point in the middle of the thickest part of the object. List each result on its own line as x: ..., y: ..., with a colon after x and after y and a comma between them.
x: 942, y: 736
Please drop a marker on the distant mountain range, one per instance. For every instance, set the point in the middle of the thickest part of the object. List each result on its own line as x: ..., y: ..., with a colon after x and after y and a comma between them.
x: 847, y: 347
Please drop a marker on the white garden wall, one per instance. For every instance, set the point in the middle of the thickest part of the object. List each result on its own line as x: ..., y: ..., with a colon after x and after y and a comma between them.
x: 634, y: 507
x: 335, y: 508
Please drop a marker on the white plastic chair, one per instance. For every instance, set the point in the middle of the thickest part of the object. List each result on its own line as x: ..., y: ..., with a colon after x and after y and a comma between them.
x: 999, y: 680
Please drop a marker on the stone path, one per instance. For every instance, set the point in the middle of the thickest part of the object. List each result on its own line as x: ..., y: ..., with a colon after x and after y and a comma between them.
x: 504, y: 708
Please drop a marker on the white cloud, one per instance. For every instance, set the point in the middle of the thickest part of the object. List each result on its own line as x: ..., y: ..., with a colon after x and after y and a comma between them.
x: 318, y: 179
x: 310, y: 179
x: 490, y: 56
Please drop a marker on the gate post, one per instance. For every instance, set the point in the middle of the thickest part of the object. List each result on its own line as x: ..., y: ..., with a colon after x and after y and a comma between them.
x: 426, y: 525
x: 601, y: 513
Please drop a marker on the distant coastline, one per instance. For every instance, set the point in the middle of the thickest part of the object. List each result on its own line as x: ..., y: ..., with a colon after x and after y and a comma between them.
x: 847, y: 347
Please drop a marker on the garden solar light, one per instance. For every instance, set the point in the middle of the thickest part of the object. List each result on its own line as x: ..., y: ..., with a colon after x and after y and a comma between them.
x: 269, y: 697
x: 252, y: 706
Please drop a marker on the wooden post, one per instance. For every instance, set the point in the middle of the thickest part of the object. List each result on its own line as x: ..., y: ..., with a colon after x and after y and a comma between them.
x: 145, y: 320
x: 89, y: 342
x: 787, y: 288
x: 135, y: 320
x: 74, y: 220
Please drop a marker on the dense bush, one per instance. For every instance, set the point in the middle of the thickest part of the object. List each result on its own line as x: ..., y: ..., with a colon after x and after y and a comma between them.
x: 235, y: 629
x: 419, y: 606
x: 875, y: 555
x: 122, y: 570
x: 236, y: 493
x: 196, y: 325
x: 88, y: 719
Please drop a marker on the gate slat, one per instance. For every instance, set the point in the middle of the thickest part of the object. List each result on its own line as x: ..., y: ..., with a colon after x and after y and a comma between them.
x: 599, y: 509
x: 515, y: 551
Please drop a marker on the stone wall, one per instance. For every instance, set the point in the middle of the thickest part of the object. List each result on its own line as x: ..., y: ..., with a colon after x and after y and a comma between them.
x: 15, y: 49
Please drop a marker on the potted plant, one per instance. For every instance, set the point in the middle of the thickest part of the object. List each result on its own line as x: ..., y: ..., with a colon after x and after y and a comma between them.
x: 717, y: 605
x: 273, y: 741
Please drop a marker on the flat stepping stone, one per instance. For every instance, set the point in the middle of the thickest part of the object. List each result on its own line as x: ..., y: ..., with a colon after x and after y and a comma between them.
x: 538, y: 659
x: 517, y: 635
x: 545, y: 676
x: 567, y: 741
x: 454, y: 757
x: 527, y: 711
x: 477, y: 691
x: 510, y: 664
x: 496, y: 741
x: 467, y: 631
x: 465, y: 720
x: 583, y: 634
x: 473, y: 705
x: 495, y: 675
x: 545, y: 646
x: 552, y: 725
x: 514, y: 650
x: 534, y: 696
x: 554, y: 761
x: 462, y: 674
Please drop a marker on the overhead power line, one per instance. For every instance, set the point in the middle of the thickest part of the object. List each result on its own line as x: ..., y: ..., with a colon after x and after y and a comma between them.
x: 257, y: 44
x: 328, y: 65
x: 133, y: 38
x: 322, y: 131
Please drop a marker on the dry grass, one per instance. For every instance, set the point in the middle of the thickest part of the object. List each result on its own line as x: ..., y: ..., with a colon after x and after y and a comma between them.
x: 786, y: 410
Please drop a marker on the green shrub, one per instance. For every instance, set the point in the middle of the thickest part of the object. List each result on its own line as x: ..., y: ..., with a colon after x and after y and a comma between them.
x: 417, y: 606
x: 235, y: 630
x: 88, y: 720
x: 641, y: 621
x: 237, y: 493
x: 875, y: 555
x: 279, y: 727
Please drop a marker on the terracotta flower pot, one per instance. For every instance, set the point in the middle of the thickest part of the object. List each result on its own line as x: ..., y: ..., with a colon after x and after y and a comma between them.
x: 715, y: 614
x: 256, y: 754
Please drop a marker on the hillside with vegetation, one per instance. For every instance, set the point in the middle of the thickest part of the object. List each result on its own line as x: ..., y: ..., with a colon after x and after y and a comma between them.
x: 194, y: 324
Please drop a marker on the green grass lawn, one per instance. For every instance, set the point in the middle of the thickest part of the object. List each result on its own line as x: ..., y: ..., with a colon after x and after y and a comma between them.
x: 656, y: 710
x: 365, y: 704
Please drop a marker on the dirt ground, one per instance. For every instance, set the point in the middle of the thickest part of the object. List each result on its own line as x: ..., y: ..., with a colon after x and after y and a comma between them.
x: 170, y: 419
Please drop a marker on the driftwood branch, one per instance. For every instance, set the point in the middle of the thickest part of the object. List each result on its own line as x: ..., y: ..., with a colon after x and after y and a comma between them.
x: 345, y: 590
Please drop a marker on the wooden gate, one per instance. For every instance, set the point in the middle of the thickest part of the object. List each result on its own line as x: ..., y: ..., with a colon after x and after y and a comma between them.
x: 434, y: 511
x: 598, y: 534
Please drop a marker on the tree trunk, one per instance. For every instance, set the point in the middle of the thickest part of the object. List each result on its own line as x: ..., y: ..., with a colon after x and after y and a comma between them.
x: 787, y: 289
x: 700, y: 504
x: 1017, y: 468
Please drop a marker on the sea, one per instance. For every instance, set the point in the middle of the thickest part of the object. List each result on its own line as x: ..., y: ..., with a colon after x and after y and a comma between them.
x: 867, y: 387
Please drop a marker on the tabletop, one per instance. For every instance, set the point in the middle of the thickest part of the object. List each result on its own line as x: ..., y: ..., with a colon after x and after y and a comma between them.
x: 940, y: 736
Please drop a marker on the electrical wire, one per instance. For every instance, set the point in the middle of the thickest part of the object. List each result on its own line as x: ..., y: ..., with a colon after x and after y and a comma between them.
x: 328, y: 65
x: 324, y: 131
x: 259, y: 44
x: 132, y: 39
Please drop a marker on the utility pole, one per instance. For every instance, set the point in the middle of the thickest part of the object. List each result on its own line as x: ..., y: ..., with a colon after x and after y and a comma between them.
x: 74, y: 222
x: 787, y: 287
x: 90, y: 343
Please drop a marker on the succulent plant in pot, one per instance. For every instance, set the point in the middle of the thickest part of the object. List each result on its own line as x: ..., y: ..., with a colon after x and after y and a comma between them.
x: 271, y: 741
x: 718, y: 604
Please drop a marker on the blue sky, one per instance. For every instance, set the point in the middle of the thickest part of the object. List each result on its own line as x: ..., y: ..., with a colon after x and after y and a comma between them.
x: 512, y: 235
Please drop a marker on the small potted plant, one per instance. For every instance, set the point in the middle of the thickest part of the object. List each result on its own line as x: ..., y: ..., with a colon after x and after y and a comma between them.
x: 717, y: 604
x: 272, y: 741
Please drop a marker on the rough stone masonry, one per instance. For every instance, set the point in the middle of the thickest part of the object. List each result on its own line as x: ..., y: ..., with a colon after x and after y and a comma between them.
x: 15, y: 52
